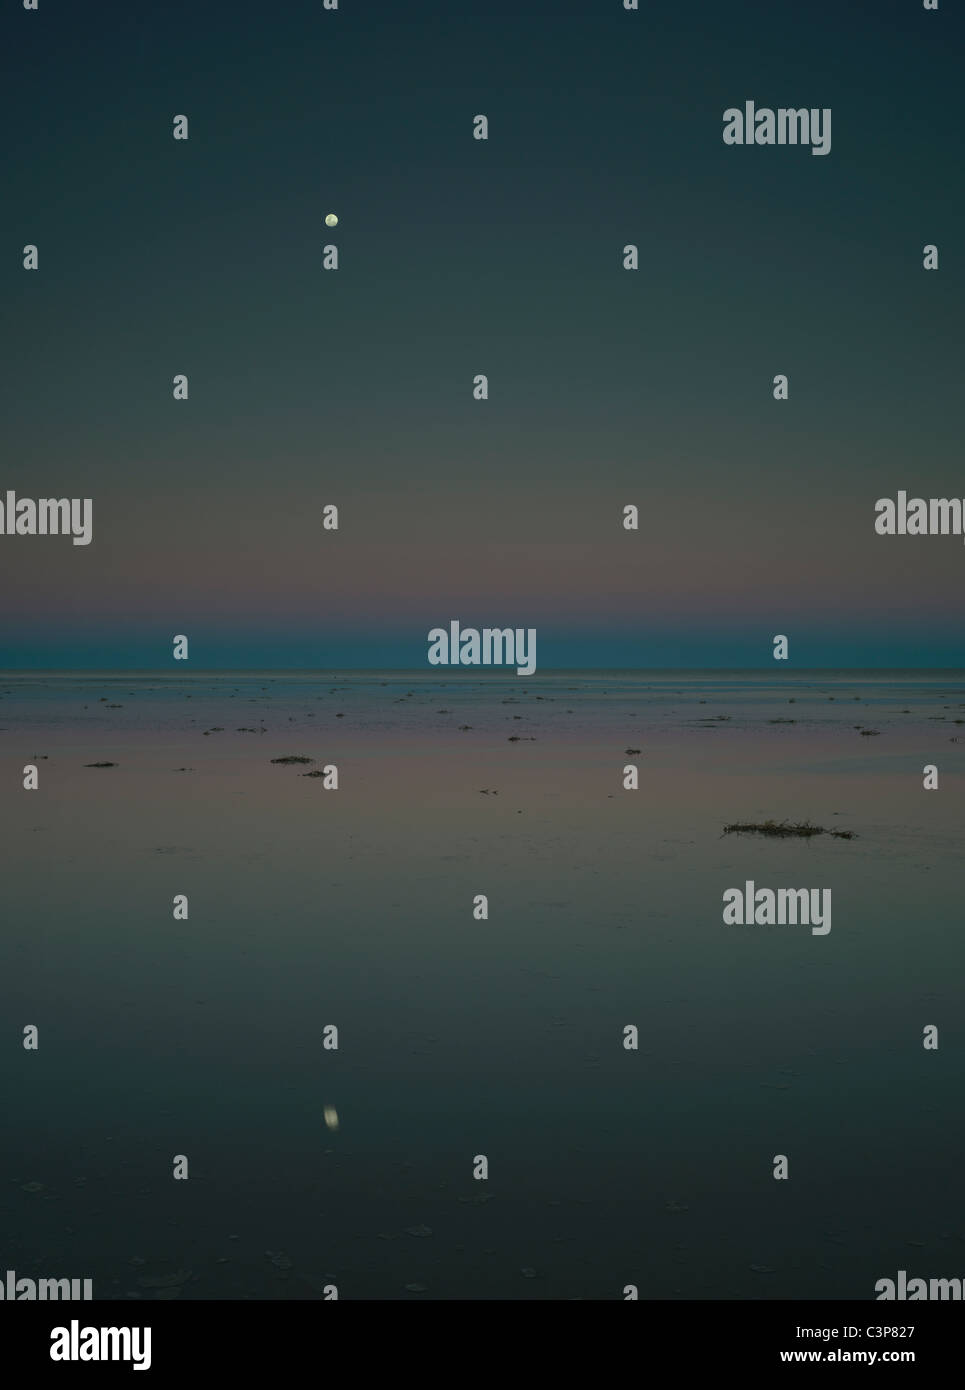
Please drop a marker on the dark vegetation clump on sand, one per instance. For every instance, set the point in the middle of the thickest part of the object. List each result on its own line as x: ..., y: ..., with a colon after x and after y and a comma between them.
x: 781, y: 829
x: 102, y: 764
x: 293, y: 758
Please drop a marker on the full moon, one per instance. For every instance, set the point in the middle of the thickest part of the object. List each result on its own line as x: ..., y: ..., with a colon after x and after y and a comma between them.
x: 331, y: 220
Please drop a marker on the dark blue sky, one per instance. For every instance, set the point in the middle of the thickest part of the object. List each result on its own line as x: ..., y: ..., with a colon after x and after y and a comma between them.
x: 460, y: 257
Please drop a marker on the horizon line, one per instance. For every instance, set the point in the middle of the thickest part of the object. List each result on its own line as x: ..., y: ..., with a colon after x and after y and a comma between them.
x: 447, y: 672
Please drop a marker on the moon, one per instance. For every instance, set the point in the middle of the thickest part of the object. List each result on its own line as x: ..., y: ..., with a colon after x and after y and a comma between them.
x: 331, y: 220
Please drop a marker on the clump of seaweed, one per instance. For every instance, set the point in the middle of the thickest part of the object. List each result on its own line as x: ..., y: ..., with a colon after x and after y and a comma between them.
x: 102, y: 764
x: 293, y: 758
x: 782, y: 829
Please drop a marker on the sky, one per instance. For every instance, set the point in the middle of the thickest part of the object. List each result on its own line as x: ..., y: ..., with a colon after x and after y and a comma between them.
x: 354, y: 387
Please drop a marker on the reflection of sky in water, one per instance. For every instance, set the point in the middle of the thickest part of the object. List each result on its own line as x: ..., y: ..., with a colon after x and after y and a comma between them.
x: 461, y: 1037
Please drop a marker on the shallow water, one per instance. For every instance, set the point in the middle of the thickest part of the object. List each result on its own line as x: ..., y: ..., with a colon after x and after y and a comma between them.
x: 459, y: 1037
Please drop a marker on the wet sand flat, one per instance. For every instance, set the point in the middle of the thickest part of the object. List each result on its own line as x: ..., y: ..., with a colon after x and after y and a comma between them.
x: 460, y: 1037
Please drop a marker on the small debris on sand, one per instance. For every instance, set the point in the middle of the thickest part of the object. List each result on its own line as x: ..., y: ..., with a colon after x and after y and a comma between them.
x: 102, y: 764
x: 293, y: 758
x: 279, y: 1259
x: 165, y: 1281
